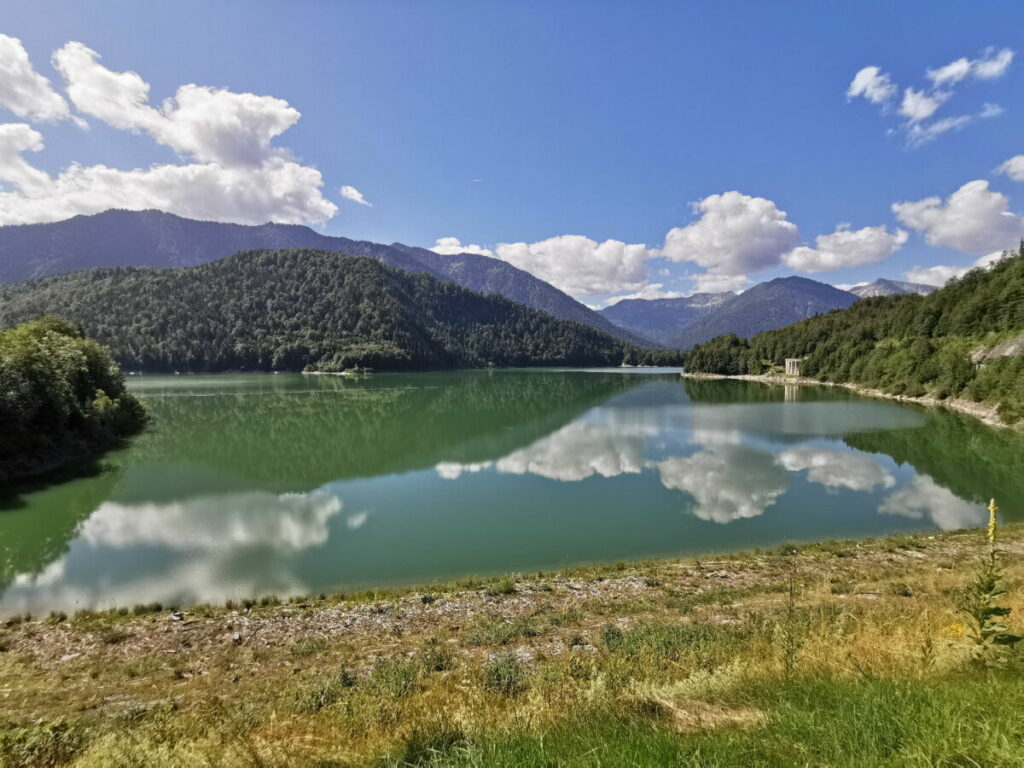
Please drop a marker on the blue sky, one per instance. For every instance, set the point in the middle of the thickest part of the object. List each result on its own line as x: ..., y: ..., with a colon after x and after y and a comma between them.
x: 522, y: 123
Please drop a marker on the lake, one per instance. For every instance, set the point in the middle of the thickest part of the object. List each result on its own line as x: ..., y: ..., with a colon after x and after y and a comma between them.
x: 247, y: 485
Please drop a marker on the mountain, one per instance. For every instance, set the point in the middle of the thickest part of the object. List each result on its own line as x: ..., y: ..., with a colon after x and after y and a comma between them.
x: 766, y: 306
x: 299, y: 308
x: 958, y: 341
x: 489, y: 275
x: 883, y: 287
x: 661, y: 320
x: 119, y: 238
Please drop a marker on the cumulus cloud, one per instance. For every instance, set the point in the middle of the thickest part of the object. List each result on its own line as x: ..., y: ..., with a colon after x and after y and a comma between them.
x: 990, y: 65
x: 872, y: 84
x: 351, y: 193
x: 837, y: 469
x: 846, y: 248
x: 233, y: 172
x: 736, y: 234
x: 581, y: 266
x: 973, y: 219
x: 940, y: 275
x: 451, y: 246
x: 23, y: 90
x: 1014, y: 168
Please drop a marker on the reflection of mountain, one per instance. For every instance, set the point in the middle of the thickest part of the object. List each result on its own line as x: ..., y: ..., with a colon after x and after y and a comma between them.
x: 334, y: 429
x: 974, y: 461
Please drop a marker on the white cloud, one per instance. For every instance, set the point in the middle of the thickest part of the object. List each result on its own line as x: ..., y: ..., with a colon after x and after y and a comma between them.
x: 874, y: 85
x: 837, y: 469
x: 23, y: 90
x: 990, y: 65
x: 208, y: 124
x: 973, y: 219
x: 235, y: 175
x: 581, y: 266
x: 450, y: 246
x: 940, y: 275
x: 351, y: 193
x: 846, y: 248
x: 918, y: 105
x: 578, y: 451
x: 735, y: 235
x: 926, y: 499
x: 1014, y: 168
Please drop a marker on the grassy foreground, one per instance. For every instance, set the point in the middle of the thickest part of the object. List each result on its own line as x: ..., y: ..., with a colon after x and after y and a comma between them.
x: 834, y: 654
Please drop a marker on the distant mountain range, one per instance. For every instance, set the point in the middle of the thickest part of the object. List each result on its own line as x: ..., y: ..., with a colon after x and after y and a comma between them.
x: 156, y: 239
x: 682, y: 323
x: 297, y: 309
x: 883, y: 287
x: 663, y: 320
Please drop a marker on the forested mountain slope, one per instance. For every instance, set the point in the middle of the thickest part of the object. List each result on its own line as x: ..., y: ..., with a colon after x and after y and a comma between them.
x: 293, y: 309
x: 157, y: 239
x: 957, y: 341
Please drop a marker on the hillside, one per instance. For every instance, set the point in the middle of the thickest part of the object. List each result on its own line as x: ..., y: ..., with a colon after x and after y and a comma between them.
x: 884, y: 287
x: 764, y: 307
x: 662, y: 320
x: 297, y: 309
x: 962, y: 340
x: 119, y: 238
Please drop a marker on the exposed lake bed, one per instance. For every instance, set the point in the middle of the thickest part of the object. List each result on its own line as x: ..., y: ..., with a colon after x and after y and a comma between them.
x: 250, y: 485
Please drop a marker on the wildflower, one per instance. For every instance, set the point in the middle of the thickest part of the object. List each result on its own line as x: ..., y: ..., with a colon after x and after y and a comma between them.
x: 992, y: 509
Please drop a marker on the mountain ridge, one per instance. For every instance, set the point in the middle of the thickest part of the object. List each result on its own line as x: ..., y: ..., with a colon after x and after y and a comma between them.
x: 298, y: 309
x: 151, y: 238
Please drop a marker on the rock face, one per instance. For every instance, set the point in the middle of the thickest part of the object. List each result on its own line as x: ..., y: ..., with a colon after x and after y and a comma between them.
x: 883, y: 287
x: 1009, y: 348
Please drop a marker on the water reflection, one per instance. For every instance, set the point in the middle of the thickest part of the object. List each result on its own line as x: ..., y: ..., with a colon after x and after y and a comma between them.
x: 249, y: 485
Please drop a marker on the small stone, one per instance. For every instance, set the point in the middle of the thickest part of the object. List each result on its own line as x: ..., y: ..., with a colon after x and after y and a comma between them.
x: 176, y: 616
x: 236, y: 638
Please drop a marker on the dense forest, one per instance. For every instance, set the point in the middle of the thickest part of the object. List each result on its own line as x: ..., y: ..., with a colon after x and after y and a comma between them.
x: 62, y: 397
x: 913, y: 345
x: 294, y: 310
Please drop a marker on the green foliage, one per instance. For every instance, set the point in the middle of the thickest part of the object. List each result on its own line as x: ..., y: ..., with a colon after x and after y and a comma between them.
x: 910, y: 344
x: 980, y: 602
x: 62, y: 397
x: 40, y: 743
x: 292, y: 310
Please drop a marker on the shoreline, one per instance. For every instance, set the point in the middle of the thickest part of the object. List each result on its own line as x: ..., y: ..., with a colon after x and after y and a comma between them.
x: 985, y: 413
x: 669, y: 649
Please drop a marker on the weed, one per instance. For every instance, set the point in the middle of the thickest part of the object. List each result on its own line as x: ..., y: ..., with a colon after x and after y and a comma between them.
x: 504, y: 674
x: 394, y: 677
x: 489, y: 630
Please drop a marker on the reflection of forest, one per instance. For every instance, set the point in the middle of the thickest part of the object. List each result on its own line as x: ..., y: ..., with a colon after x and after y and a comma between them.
x: 29, y: 539
x: 974, y: 461
x: 298, y: 440
x: 721, y: 391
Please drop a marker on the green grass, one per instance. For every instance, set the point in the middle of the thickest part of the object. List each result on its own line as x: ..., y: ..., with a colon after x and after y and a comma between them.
x: 809, y: 722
